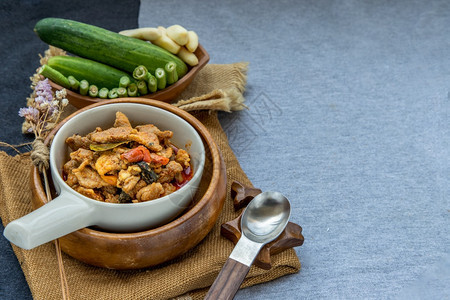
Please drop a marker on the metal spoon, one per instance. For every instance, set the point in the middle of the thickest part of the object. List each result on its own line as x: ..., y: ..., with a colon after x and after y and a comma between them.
x: 264, y: 219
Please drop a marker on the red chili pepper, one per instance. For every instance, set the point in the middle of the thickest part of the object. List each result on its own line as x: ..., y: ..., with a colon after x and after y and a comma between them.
x: 145, y: 153
x: 159, y: 159
x: 140, y: 153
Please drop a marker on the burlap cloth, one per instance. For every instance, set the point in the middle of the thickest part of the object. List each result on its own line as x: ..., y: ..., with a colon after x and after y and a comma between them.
x: 187, y: 277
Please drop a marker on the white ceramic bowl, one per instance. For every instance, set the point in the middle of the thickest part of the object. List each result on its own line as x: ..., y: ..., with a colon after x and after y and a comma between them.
x: 71, y: 211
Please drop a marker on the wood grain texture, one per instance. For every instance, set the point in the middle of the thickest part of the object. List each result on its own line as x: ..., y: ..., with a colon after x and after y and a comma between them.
x: 228, y: 281
x: 165, y: 95
x: 242, y: 195
x: 155, y: 246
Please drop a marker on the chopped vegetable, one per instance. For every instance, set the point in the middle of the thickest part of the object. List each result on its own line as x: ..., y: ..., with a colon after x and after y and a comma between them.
x: 93, y: 90
x: 175, y: 149
x: 171, y: 72
x: 159, y: 159
x: 122, y: 92
x: 175, y: 39
x: 74, y: 83
x: 124, y: 81
x: 112, y: 94
x: 192, y: 43
x: 152, y: 84
x: 132, y: 90
x: 54, y: 76
x: 141, y: 73
x: 160, y: 75
x: 84, y: 87
x: 145, y: 33
x: 178, y: 34
x: 103, y: 93
x: 188, y: 57
x: 140, y: 153
x: 142, y: 87
x: 166, y: 42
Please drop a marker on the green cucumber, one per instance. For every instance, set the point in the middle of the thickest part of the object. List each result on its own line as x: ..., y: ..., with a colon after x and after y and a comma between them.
x: 94, y: 72
x: 95, y: 43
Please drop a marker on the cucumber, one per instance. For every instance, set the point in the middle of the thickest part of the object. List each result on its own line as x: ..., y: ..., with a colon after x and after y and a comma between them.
x: 101, y: 45
x: 94, y: 72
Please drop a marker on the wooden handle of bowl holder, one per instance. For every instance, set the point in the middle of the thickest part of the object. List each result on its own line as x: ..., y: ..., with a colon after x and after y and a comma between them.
x: 228, y: 281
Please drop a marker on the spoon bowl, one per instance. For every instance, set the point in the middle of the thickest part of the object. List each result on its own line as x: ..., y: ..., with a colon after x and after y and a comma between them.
x: 264, y: 219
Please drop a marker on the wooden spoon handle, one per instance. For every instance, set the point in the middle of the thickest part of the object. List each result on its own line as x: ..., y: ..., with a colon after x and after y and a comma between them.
x: 228, y: 281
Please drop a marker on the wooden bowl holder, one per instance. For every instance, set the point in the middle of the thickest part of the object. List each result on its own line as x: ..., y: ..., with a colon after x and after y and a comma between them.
x: 291, y: 236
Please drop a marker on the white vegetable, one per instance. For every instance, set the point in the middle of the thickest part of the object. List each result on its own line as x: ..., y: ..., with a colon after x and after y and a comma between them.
x: 145, y: 33
x: 192, y: 43
x: 165, y: 42
x: 188, y: 57
x: 178, y: 33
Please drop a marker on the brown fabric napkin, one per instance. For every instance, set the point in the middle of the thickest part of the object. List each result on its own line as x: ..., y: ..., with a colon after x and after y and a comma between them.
x: 188, y: 276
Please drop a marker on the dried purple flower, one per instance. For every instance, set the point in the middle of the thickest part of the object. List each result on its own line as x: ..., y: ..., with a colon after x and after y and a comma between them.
x: 40, y: 100
x: 31, y: 114
x: 44, y: 109
x: 44, y: 86
x: 44, y: 89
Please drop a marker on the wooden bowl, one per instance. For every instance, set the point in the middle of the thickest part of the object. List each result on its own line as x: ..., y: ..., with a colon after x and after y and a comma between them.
x: 158, y: 245
x: 165, y: 95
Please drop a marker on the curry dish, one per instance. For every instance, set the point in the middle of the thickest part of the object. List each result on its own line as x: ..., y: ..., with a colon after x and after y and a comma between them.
x: 123, y: 164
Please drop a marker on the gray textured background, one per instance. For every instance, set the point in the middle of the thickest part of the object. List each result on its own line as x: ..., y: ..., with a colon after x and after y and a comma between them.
x: 349, y: 118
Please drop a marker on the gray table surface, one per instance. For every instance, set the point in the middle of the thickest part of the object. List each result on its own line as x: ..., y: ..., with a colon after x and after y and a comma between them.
x: 349, y: 118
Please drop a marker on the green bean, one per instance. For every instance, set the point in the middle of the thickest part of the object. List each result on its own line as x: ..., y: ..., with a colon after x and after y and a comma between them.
x: 93, y: 91
x: 103, y: 93
x: 122, y: 92
x: 142, y: 87
x: 152, y: 84
x: 124, y: 81
x: 171, y: 72
x: 132, y: 90
x: 74, y: 83
x: 84, y: 87
x: 112, y: 94
x: 54, y: 76
x: 140, y: 73
x: 160, y: 75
